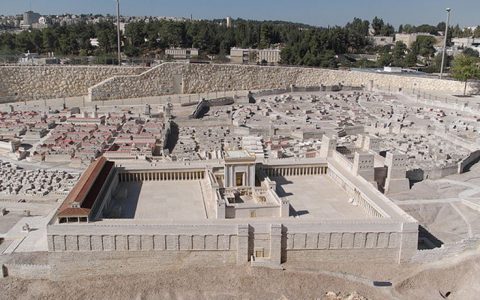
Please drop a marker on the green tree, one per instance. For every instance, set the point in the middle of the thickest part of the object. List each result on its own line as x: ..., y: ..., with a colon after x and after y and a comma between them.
x: 441, y: 26
x: 377, y: 25
x: 470, y: 52
x: 265, y: 33
x: 465, y: 68
x: 436, y: 62
x: 398, y: 54
x: 410, y: 59
x: 385, y: 59
x: 424, y: 46
x: 476, y: 32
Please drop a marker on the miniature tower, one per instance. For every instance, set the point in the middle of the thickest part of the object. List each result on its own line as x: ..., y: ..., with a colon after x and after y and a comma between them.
x: 371, y: 143
x: 95, y: 112
x: 329, y: 144
x: 147, y: 109
x: 396, y: 181
x: 360, y: 141
x: 363, y: 165
x: 167, y: 111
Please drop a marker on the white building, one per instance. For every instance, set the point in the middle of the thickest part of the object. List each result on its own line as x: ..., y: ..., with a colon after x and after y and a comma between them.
x: 30, y: 17
x: 381, y: 40
x: 182, y: 53
x: 269, y: 56
x: 410, y: 38
x: 470, y: 42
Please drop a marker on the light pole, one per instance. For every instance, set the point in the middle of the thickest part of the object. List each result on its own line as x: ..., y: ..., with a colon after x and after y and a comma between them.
x: 118, y: 34
x: 445, y: 42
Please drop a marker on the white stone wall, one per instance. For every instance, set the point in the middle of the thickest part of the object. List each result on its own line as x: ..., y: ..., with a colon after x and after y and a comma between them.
x: 331, y: 236
x: 113, y: 82
x: 200, y: 78
x: 41, y: 82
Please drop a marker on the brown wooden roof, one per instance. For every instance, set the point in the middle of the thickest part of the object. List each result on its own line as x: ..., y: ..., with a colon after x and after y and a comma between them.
x: 74, y: 212
x: 78, y: 194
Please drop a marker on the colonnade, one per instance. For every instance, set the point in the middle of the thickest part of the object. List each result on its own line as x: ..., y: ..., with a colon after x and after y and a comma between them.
x: 365, y: 205
x: 295, y: 170
x: 161, y: 176
x: 357, y: 196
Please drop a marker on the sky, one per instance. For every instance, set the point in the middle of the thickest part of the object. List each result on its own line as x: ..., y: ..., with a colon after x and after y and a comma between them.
x: 313, y: 12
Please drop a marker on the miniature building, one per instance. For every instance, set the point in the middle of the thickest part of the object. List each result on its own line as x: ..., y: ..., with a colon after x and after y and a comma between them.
x: 239, y: 169
x: 329, y: 144
x: 371, y: 143
x: 262, y: 213
x: 396, y: 181
x: 79, y: 203
x: 363, y: 165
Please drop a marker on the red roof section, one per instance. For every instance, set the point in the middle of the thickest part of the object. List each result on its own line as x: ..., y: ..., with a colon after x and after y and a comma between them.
x: 78, y: 194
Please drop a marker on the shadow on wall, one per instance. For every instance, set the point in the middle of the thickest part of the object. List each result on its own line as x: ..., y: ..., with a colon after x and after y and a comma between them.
x: 125, y: 202
x: 415, y: 176
x: 380, y: 175
x: 426, y: 240
x: 474, y: 161
x: 172, y: 137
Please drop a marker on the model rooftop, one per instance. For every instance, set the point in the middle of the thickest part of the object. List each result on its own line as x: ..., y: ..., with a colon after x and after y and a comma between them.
x: 239, y: 155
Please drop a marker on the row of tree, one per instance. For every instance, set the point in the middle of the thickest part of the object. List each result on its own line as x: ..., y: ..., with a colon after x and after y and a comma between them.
x: 66, y: 40
x: 302, y: 44
x: 211, y: 37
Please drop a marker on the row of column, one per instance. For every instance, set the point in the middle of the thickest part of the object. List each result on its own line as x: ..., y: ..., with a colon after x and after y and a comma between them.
x: 161, y: 176
x: 295, y: 171
x: 366, y: 206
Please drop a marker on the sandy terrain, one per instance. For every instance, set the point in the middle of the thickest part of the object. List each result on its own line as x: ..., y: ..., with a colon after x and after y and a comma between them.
x: 213, y: 283
x: 457, y: 277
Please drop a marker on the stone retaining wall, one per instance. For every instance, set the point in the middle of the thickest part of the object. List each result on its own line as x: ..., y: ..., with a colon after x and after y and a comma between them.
x: 43, y: 82
x: 112, y: 82
x: 171, y: 78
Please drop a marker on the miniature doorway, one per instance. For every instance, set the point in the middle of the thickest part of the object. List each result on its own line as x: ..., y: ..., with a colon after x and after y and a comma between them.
x: 239, y: 179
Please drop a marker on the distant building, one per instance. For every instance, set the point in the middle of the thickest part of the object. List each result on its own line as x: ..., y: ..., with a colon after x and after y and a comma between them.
x: 35, y: 59
x: 29, y: 18
x: 270, y: 56
x: 182, y: 53
x: 43, y: 22
x: 463, y: 43
x: 239, y: 55
x: 229, y: 22
x: 381, y: 40
x: 243, y: 56
x: 94, y: 42
x: 410, y: 38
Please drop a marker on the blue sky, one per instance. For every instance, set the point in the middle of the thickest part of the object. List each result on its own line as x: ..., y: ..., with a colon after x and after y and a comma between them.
x: 315, y: 12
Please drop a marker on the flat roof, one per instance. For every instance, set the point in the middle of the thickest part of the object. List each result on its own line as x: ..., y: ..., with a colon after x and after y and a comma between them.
x: 239, y: 155
x: 161, y: 200
x: 318, y: 197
